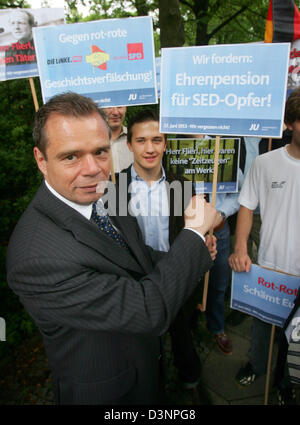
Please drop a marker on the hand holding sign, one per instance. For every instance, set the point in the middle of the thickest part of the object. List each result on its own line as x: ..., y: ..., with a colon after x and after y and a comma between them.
x: 240, y: 261
x: 200, y: 215
x: 211, y: 243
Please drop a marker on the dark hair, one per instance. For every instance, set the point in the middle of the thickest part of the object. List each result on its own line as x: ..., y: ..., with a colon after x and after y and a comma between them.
x: 66, y: 104
x: 143, y: 115
x: 292, y: 107
x: 30, y: 16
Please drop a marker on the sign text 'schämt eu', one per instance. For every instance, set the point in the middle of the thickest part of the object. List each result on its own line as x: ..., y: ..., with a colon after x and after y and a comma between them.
x: 265, y: 294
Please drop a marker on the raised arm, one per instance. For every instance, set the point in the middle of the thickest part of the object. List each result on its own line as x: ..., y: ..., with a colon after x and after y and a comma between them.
x: 240, y: 261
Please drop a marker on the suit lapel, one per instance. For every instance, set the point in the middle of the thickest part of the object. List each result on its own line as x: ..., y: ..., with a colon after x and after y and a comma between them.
x: 87, y: 233
x: 129, y: 229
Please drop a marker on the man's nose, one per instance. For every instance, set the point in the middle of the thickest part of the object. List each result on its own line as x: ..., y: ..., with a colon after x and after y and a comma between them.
x: 90, y: 165
x: 149, y: 146
x: 114, y: 110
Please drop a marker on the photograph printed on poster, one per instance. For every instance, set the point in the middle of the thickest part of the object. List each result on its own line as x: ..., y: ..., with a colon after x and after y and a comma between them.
x: 17, y: 50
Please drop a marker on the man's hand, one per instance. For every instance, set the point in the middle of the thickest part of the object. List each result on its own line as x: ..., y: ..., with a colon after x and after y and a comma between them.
x: 211, y: 243
x: 220, y: 220
x: 200, y: 215
x: 240, y: 261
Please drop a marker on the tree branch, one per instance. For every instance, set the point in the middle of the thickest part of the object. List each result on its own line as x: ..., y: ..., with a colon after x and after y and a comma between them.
x: 186, y: 3
x: 223, y: 24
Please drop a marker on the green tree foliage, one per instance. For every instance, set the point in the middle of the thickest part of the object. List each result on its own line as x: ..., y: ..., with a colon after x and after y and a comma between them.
x: 205, y: 21
x: 18, y: 174
x: 19, y: 180
x: 6, y: 4
x: 219, y: 22
x: 170, y: 18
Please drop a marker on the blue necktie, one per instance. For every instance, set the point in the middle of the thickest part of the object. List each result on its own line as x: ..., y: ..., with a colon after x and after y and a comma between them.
x: 100, y: 217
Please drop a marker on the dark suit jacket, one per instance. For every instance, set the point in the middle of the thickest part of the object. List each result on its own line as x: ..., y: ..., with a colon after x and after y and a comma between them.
x: 99, y: 307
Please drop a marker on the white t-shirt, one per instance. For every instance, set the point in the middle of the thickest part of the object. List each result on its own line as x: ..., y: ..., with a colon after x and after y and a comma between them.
x: 273, y: 183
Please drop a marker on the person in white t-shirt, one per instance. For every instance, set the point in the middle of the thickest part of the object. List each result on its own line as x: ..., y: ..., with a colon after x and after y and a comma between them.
x: 273, y: 184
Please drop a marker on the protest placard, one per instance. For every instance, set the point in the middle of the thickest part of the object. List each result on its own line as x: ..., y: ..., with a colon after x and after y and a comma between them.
x: 265, y: 294
x: 17, y: 48
x: 111, y: 61
x: 224, y: 90
x: 193, y: 159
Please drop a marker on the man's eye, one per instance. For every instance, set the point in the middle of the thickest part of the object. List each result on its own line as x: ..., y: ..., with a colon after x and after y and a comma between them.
x: 100, y: 152
x: 103, y: 152
x: 70, y: 157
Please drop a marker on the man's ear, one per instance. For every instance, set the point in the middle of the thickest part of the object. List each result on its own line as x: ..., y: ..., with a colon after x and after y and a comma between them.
x: 165, y: 145
x: 40, y: 160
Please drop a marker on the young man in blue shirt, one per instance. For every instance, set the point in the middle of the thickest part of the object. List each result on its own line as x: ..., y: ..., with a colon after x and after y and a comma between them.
x: 158, y: 201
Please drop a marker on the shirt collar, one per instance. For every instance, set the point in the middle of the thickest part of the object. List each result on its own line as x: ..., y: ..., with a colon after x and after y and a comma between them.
x: 122, y: 134
x: 136, y: 177
x: 85, y: 210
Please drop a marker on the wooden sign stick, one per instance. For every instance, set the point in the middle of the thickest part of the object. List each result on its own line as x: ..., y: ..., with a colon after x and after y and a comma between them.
x: 33, y: 92
x: 270, y: 144
x: 272, y: 335
x: 112, y: 171
x: 269, y: 365
x: 202, y: 306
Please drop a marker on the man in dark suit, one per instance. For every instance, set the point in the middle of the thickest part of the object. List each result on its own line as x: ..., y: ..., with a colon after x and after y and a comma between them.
x: 100, y: 306
x: 153, y: 197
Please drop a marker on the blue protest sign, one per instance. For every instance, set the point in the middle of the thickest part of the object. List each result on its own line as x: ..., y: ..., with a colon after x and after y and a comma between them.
x: 224, y: 90
x: 111, y: 61
x: 265, y: 294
